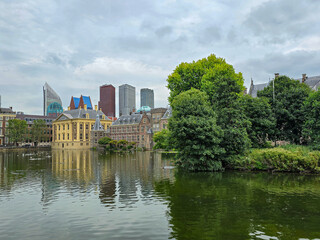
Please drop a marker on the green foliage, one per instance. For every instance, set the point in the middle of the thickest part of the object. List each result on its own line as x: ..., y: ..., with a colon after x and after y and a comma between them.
x: 288, y: 159
x: 37, y: 130
x: 195, y: 133
x: 259, y: 113
x: 199, y: 75
x: 16, y: 130
x: 162, y: 140
x: 288, y: 107
x: 311, y: 127
x: 104, y: 140
x: 225, y: 95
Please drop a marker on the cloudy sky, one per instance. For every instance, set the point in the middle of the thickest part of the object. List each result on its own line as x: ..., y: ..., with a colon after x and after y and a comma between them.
x: 78, y: 45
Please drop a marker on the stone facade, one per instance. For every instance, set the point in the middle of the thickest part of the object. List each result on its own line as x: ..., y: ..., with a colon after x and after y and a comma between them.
x: 156, y: 115
x: 5, y: 115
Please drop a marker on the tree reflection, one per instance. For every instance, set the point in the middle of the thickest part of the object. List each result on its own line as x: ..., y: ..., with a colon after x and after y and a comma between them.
x: 242, y: 205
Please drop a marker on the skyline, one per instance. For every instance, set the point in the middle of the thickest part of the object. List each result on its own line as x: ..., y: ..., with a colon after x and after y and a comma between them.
x: 77, y: 46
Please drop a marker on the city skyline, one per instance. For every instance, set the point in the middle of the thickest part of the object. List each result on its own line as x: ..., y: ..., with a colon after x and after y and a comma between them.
x: 78, y: 47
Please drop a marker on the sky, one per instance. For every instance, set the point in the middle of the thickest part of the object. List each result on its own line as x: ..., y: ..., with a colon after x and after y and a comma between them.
x: 78, y: 45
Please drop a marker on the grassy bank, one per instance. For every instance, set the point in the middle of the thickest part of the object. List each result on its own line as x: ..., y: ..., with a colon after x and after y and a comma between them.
x: 289, y: 158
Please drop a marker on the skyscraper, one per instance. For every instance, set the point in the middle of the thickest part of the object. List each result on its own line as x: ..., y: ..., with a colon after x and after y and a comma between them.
x: 107, y: 100
x: 146, y: 97
x: 127, y: 99
x: 52, y: 104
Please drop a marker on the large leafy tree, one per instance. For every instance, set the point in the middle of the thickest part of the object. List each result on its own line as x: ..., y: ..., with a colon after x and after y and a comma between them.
x: 16, y: 130
x: 38, y: 131
x: 195, y: 75
x: 287, y: 98
x: 259, y: 113
x: 195, y: 133
x: 223, y: 87
x: 311, y: 127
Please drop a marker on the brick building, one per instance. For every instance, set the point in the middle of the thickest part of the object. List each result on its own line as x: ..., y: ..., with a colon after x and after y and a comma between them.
x: 133, y: 128
x: 156, y: 115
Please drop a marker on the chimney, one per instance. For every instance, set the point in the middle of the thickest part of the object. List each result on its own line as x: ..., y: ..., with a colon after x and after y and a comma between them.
x: 96, y: 107
x: 80, y: 107
x: 276, y: 75
x: 85, y: 107
x: 304, y: 77
x: 133, y: 109
x: 69, y: 108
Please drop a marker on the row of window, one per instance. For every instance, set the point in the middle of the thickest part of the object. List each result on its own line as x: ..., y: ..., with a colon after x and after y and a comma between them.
x: 127, y: 129
x: 66, y: 126
x: 129, y: 138
x: 64, y: 136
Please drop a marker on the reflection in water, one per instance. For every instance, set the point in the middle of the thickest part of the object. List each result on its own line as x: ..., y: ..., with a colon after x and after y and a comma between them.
x: 72, y: 194
x: 242, y: 205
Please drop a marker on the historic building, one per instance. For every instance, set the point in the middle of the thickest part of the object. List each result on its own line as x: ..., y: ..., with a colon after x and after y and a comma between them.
x: 107, y: 102
x: 47, y: 132
x: 52, y: 104
x: 97, y: 133
x: 127, y: 99
x: 72, y: 128
x: 164, y: 120
x: 133, y: 128
x: 156, y: 115
x: 146, y: 97
x: 76, y: 103
x: 5, y: 115
x: 312, y: 82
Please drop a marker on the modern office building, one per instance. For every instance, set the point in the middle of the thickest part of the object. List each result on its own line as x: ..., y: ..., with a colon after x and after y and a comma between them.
x: 146, y: 97
x: 107, y: 103
x: 52, y: 104
x: 127, y: 99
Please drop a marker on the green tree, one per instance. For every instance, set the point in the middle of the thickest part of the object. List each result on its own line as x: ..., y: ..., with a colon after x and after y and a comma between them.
x: 259, y: 113
x: 162, y: 140
x: 16, y: 130
x: 195, y: 133
x: 38, y: 131
x: 200, y: 74
x: 311, y: 127
x: 104, y: 140
x: 287, y: 104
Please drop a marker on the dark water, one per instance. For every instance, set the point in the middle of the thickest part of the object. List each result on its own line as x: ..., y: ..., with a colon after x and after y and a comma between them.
x: 87, y: 195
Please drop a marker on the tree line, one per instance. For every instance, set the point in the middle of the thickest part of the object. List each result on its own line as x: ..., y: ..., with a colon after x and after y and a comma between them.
x: 213, y: 121
x: 19, y: 132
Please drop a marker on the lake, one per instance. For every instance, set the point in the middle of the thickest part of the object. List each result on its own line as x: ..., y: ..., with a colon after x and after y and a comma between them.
x: 72, y: 194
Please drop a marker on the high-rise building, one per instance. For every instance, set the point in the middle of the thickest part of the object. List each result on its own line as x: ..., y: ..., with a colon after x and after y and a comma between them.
x: 127, y: 99
x: 52, y: 104
x: 107, y: 102
x: 146, y: 97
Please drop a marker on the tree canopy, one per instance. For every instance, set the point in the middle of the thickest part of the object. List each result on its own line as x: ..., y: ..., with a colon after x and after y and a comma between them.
x: 287, y: 105
x: 195, y: 133
x: 16, y: 130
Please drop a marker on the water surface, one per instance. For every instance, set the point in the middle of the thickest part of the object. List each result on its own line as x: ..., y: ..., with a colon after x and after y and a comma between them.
x: 88, y: 195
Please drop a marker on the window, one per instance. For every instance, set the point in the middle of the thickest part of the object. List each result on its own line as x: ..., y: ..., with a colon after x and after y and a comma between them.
x: 164, y: 126
x: 144, y: 120
x: 63, y: 136
x: 68, y: 136
x: 80, y: 136
x: 142, y: 129
x: 59, y: 136
x: 68, y: 126
x: 59, y: 127
x: 63, y: 127
x: 81, y: 126
x: 128, y: 129
x: 138, y: 138
x: 87, y: 136
x: 87, y: 126
x: 142, y: 137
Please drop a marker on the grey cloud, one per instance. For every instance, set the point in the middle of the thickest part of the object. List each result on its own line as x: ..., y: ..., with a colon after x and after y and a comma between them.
x: 281, y: 21
x: 163, y: 31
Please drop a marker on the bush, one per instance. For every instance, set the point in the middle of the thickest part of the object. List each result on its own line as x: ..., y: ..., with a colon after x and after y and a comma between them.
x: 296, y: 159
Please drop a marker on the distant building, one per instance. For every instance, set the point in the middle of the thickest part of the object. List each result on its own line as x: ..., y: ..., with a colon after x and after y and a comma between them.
x: 97, y: 133
x: 164, y: 120
x: 72, y: 128
x: 76, y: 103
x: 107, y: 103
x: 52, y: 104
x: 312, y: 82
x: 156, y: 115
x: 133, y: 128
x: 5, y: 115
x: 146, y: 97
x: 127, y: 99
x: 47, y: 134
